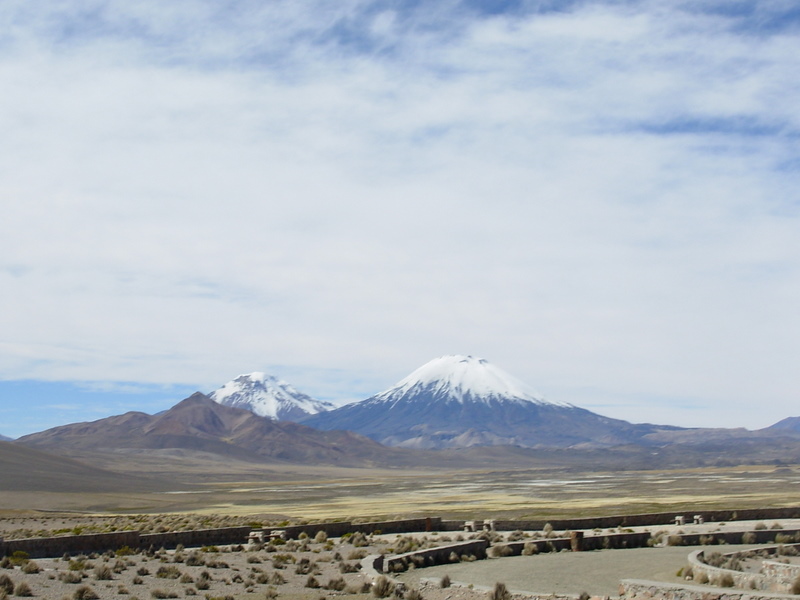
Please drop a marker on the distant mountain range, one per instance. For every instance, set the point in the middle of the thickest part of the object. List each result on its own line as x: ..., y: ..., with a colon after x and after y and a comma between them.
x: 454, y: 411
x: 5, y: 439
x: 459, y: 401
x: 201, y: 425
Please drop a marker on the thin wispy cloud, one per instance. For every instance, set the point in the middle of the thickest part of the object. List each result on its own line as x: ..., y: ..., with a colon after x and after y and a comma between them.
x: 598, y: 196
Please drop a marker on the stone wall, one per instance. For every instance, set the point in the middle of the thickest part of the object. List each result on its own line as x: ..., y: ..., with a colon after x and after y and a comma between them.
x: 428, y: 557
x: 597, y: 542
x: 71, y: 544
x: 339, y: 528
x: 102, y: 542
x: 641, y: 520
x: 196, y: 538
x: 781, y: 574
x: 775, y: 577
x: 632, y: 589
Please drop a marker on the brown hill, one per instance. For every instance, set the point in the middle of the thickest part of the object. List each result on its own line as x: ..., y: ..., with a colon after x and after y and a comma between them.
x: 24, y: 469
x: 200, y: 424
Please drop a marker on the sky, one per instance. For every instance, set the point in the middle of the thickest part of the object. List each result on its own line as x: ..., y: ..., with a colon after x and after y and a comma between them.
x: 600, y: 197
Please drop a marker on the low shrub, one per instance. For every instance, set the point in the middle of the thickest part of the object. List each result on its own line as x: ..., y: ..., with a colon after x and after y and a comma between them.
x: 85, y: 593
x: 312, y: 582
x: 194, y: 559
x: 168, y: 572
x: 305, y: 566
x: 103, y: 573
x: 412, y: 594
x: 345, y: 567
x: 78, y: 564
x: 276, y: 578
x: 23, y: 590
x: 6, y: 584
x: 500, y: 592
x: 336, y: 584
x: 382, y: 587
x: 749, y: 538
x: 70, y: 577
x: 500, y: 551
x: 530, y: 548
x: 445, y: 582
x: 675, y: 540
x: 725, y: 580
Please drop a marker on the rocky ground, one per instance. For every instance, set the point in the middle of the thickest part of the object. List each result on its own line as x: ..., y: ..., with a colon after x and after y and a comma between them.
x: 319, y: 568
x: 310, y: 569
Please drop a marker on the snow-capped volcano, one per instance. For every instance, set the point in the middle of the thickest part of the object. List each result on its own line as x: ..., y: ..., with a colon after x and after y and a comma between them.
x: 458, y: 378
x: 458, y: 401
x: 268, y: 396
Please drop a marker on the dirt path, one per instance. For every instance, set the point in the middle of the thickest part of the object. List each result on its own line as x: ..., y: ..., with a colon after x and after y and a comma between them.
x: 597, y: 573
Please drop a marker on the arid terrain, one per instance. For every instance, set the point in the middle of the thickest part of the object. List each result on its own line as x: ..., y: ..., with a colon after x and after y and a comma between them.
x: 268, y: 495
x: 321, y: 567
x: 336, y: 493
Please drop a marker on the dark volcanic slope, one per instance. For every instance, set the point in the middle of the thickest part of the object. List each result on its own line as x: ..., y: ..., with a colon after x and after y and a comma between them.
x: 24, y: 469
x: 463, y: 401
x: 200, y: 424
x: 790, y: 424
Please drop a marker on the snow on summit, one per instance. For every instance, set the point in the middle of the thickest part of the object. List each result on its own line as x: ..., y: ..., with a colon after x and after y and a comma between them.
x: 461, y: 378
x: 268, y: 396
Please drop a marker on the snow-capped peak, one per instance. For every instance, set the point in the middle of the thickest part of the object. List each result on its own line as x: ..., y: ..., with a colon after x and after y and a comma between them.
x: 462, y: 378
x: 268, y: 396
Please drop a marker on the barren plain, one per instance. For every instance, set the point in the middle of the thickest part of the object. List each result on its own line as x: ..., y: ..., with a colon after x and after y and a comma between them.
x: 337, y: 493
x: 269, y: 495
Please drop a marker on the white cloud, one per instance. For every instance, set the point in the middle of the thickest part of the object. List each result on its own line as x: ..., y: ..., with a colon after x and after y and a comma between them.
x: 593, y: 199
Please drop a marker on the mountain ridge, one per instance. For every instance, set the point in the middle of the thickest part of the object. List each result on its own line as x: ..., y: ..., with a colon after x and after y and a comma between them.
x: 268, y: 396
x: 200, y: 424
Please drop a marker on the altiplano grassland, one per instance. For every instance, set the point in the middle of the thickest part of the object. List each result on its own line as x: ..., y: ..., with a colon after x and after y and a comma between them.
x: 518, y: 494
x: 371, y: 494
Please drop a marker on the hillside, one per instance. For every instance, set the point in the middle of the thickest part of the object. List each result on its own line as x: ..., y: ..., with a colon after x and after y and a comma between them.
x: 25, y: 469
x: 463, y: 401
x: 198, y: 424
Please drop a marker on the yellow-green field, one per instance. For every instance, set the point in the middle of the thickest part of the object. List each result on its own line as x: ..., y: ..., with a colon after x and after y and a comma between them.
x: 357, y: 494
